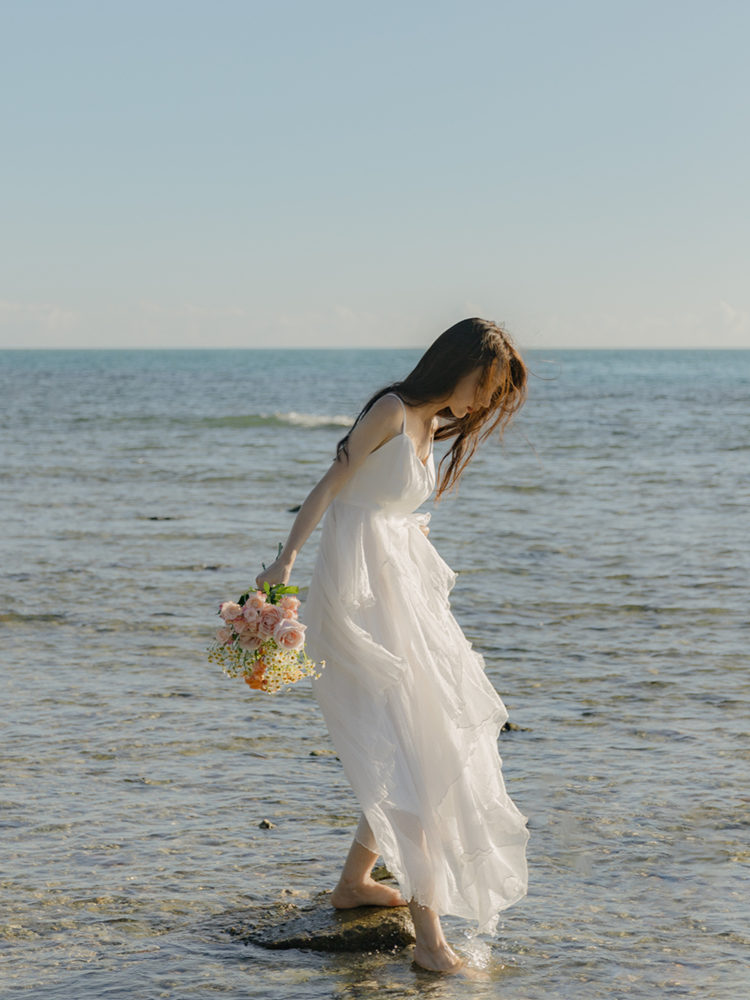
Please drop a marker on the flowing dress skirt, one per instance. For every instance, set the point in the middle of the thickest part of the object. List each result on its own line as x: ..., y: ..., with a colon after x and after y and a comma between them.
x: 410, y: 710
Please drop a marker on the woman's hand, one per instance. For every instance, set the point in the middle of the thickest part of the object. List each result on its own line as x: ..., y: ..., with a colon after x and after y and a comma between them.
x: 278, y: 572
x: 421, y: 520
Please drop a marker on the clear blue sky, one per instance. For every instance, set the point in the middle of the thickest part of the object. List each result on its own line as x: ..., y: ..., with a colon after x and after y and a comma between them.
x: 220, y: 173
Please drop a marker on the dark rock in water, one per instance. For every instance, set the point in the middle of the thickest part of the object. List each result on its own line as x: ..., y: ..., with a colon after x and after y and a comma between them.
x: 380, y: 873
x: 266, y: 824
x: 320, y: 927
x: 511, y: 727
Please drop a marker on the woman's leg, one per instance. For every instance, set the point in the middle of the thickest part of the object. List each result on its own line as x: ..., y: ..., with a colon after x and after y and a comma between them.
x: 364, y: 835
x: 431, y: 950
x: 356, y: 887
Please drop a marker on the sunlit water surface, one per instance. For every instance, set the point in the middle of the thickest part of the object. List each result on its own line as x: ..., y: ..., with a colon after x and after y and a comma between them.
x: 603, y: 564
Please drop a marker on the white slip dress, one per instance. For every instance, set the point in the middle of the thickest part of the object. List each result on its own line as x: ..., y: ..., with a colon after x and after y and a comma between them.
x: 406, y: 699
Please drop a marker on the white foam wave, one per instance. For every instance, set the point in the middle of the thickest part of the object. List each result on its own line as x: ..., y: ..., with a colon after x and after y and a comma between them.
x: 313, y: 419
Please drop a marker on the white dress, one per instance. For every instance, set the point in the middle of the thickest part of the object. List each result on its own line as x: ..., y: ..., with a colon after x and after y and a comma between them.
x: 406, y: 700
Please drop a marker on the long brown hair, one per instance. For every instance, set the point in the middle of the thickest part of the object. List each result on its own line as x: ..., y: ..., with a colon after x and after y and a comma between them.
x: 470, y: 344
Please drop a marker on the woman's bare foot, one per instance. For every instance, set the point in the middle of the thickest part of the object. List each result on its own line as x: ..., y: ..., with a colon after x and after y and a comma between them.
x: 431, y: 950
x: 440, y: 959
x: 366, y: 893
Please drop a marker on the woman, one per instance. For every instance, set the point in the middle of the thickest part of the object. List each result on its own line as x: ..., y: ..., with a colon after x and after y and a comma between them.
x: 406, y: 700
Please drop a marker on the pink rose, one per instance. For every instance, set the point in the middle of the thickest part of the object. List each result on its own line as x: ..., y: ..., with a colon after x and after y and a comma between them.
x: 251, y: 614
x: 245, y: 627
x: 270, y: 616
x: 248, y: 641
x: 224, y: 636
x: 229, y: 611
x: 289, y: 603
x: 256, y: 600
x: 290, y: 634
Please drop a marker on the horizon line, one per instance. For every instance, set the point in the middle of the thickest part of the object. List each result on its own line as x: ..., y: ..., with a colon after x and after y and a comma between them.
x: 362, y: 347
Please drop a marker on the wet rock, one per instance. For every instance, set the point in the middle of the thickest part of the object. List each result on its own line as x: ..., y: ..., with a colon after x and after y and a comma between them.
x: 266, y: 824
x: 318, y: 926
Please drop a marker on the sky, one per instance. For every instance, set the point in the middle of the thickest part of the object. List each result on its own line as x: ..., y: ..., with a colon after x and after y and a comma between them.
x: 280, y: 173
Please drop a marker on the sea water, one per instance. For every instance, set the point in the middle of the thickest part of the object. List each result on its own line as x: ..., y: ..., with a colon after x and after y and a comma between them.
x: 602, y: 559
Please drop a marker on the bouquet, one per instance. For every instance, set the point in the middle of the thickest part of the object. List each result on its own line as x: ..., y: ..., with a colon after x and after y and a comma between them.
x: 262, y: 640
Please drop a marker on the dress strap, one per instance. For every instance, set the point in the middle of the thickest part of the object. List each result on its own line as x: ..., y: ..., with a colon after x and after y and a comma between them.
x: 403, y: 407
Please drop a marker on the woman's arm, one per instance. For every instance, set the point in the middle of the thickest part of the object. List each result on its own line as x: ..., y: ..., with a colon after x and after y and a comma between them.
x: 381, y: 422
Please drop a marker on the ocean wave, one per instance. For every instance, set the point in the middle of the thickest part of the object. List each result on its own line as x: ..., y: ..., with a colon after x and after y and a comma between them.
x: 290, y: 419
x: 276, y: 419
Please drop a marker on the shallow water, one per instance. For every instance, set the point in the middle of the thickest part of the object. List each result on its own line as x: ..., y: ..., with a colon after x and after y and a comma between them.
x: 603, y: 564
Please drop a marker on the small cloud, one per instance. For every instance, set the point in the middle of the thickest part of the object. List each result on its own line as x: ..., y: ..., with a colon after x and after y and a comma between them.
x: 736, y: 320
x: 470, y: 309
x: 337, y: 325
x: 353, y: 319
x: 37, y: 316
x: 345, y: 313
x: 193, y: 311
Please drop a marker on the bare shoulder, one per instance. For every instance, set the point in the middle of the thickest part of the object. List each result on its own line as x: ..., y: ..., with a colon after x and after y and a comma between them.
x: 381, y: 421
x: 386, y: 409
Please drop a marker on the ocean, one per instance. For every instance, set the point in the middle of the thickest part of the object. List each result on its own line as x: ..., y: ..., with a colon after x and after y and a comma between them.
x: 603, y: 562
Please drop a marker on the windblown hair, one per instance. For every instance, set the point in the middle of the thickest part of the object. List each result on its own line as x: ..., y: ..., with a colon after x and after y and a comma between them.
x: 470, y: 344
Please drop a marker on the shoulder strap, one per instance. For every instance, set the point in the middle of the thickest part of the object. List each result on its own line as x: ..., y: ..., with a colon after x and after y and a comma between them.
x: 403, y: 408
